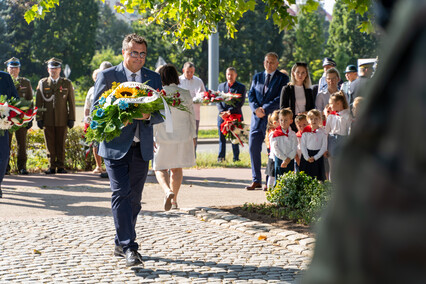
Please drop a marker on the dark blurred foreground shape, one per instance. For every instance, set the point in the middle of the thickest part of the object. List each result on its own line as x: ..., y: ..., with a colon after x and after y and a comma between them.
x: 374, y: 231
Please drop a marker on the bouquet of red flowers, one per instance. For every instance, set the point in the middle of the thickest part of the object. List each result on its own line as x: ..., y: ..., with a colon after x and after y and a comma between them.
x: 234, y: 129
x: 217, y: 97
x: 15, y: 113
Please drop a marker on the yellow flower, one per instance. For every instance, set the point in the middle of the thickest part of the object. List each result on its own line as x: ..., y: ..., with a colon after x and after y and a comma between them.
x: 113, y: 87
x: 126, y: 92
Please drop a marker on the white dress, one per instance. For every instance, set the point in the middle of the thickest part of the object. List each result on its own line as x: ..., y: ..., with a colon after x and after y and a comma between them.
x: 176, y: 149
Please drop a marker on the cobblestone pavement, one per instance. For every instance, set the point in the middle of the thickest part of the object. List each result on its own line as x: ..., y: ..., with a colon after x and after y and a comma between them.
x: 177, y: 247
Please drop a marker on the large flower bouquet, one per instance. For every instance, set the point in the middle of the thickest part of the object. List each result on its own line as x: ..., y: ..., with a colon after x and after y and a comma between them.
x: 216, y: 97
x: 122, y: 104
x: 234, y: 129
x: 15, y: 113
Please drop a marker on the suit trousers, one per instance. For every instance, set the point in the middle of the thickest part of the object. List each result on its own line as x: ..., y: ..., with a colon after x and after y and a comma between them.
x: 21, y: 141
x: 222, y: 145
x: 127, y: 178
x: 255, y: 147
x: 4, y: 154
x: 55, y: 143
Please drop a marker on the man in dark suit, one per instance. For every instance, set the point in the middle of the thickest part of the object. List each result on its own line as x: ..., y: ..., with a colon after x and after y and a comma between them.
x: 127, y: 156
x: 7, y: 88
x: 264, y: 98
x: 234, y: 87
x: 25, y: 91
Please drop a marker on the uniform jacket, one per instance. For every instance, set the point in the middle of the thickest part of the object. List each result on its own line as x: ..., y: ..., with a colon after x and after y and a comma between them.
x: 119, y: 146
x: 236, y: 88
x: 24, y: 89
x: 270, y: 101
x: 60, y: 109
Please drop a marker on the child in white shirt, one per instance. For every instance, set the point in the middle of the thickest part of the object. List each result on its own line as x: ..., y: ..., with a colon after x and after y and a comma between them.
x: 313, y: 146
x: 284, y: 143
x: 338, y: 125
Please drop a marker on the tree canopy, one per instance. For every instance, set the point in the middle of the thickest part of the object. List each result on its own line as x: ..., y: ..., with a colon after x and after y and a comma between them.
x: 192, y: 21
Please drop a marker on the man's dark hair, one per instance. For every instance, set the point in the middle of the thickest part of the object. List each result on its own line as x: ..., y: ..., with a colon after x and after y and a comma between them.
x: 169, y: 75
x: 135, y: 38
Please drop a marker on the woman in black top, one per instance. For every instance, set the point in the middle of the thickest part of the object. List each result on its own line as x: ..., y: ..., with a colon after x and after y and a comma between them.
x: 297, y: 95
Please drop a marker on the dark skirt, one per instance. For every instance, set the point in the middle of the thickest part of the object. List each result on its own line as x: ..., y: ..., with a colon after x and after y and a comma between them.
x: 315, y: 169
x: 335, y: 142
x: 270, y: 168
x: 280, y: 171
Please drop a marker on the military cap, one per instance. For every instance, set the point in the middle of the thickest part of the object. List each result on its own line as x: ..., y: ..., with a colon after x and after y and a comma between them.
x: 350, y: 68
x: 54, y: 63
x: 328, y: 61
x: 13, y: 62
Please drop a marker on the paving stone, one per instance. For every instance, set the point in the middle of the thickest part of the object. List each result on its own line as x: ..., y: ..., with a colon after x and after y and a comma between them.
x: 176, y: 248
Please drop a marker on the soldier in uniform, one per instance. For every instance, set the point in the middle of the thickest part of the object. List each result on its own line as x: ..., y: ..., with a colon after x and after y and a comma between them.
x: 23, y: 86
x: 351, y: 74
x: 55, y: 95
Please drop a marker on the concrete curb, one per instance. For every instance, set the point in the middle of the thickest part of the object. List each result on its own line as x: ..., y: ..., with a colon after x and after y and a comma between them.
x: 298, y: 243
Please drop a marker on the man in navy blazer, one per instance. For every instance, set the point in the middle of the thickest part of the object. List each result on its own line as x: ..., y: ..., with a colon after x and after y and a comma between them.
x: 127, y: 156
x: 264, y: 98
x: 234, y: 87
x: 7, y: 88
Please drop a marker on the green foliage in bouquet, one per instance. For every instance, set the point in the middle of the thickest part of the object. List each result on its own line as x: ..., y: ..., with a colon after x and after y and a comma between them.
x: 14, y: 113
x: 300, y: 196
x: 109, y: 117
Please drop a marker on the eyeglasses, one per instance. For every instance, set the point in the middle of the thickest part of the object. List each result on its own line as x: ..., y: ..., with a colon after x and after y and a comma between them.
x: 136, y: 54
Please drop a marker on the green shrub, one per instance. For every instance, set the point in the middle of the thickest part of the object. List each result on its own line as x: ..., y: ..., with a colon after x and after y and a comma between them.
x: 299, y: 196
x: 75, y: 151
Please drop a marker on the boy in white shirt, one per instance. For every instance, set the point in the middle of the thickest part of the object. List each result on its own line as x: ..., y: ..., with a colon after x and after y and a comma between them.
x: 284, y: 144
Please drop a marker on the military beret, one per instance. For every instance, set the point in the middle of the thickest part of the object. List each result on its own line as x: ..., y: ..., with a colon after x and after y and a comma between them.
x: 328, y: 61
x: 350, y: 68
x: 54, y: 63
x: 13, y: 62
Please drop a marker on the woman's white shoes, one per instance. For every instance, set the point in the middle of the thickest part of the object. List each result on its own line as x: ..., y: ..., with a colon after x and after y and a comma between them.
x: 168, y: 201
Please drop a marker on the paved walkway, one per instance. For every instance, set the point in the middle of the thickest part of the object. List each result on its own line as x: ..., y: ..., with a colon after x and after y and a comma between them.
x: 59, y: 229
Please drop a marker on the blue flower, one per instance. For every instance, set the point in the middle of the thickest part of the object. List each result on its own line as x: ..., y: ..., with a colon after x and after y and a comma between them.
x: 102, y: 101
x: 94, y: 124
x: 123, y: 105
x: 100, y: 112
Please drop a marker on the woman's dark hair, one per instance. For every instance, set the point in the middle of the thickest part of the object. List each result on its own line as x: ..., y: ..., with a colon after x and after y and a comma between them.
x: 169, y: 75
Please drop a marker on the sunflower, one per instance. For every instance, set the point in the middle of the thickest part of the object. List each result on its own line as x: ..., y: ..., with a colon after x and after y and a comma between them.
x: 126, y: 92
x: 107, y: 93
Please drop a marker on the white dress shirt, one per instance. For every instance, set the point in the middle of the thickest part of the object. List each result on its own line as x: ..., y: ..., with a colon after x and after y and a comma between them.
x: 129, y: 75
x: 315, y: 140
x: 299, y: 94
x: 339, y: 123
x: 283, y: 146
x: 194, y: 86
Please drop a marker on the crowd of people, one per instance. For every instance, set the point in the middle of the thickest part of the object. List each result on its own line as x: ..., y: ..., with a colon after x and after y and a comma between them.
x: 302, y: 125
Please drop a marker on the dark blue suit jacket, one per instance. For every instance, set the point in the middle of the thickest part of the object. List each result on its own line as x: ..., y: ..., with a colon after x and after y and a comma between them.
x: 270, y: 101
x: 7, y: 88
x: 119, y: 146
x: 237, y: 88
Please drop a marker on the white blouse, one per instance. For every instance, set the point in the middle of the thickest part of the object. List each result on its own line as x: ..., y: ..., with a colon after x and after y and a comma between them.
x: 300, y: 104
x: 339, y: 123
x: 284, y: 147
x: 314, y: 141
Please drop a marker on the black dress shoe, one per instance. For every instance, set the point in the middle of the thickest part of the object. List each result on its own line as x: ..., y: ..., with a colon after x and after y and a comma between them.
x: 118, y: 251
x: 133, y: 257
x: 104, y: 175
x: 22, y: 172
x: 62, y: 171
x: 50, y: 171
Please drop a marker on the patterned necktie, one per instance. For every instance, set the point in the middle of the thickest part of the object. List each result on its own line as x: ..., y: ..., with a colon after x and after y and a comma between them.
x: 133, y: 77
x: 265, y: 87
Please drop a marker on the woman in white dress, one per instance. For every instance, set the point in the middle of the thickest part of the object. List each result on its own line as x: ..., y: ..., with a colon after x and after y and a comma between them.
x: 174, y: 151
